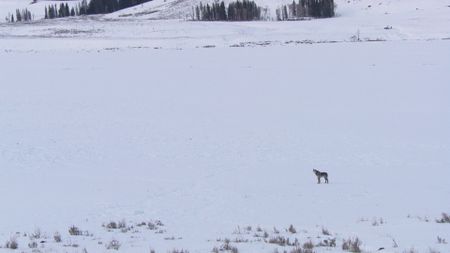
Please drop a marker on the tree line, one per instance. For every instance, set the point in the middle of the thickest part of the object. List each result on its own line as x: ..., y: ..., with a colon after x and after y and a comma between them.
x: 245, y: 10
x: 53, y: 11
x: 23, y: 15
x: 90, y: 8
x: 306, y: 8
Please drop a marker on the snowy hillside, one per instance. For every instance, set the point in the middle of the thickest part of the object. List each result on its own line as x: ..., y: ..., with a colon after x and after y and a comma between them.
x: 409, y: 20
x: 139, y: 131
x: 363, y: 8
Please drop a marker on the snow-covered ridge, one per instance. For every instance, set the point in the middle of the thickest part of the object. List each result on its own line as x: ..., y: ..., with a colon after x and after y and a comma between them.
x: 182, y: 9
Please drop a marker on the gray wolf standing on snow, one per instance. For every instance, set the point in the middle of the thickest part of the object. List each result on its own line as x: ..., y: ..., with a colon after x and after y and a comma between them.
x: 320, y: 174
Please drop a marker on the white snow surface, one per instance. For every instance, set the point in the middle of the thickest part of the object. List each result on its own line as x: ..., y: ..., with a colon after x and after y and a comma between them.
x: 211, y: 127
x: 208, y: 140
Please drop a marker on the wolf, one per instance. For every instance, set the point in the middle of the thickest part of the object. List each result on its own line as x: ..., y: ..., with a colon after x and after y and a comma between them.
x: 320, y: 174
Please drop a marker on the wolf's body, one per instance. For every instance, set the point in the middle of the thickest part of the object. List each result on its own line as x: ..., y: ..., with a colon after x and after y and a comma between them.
x: 320, y: 174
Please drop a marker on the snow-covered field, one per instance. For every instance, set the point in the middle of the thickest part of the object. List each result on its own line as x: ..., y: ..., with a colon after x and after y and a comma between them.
x: 213, y: 129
